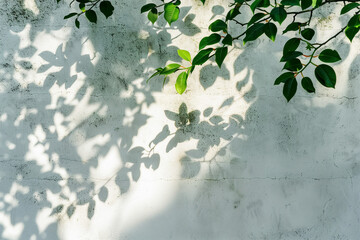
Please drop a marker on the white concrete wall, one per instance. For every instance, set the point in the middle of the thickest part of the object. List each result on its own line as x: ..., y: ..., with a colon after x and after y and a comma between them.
x: 90, y: 151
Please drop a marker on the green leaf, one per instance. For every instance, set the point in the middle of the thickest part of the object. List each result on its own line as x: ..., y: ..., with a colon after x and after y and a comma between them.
x: 220, y: 55
x: 284, y: 77
x: 147, y: 7
x: 203, y: 1
x: 290, y: 55
x: 91, y: 16
x: 254, y: 32
x: 289, y: 89
x: 293, y: 65
x: 256, y: 17
x: 350, y: 32
x: 232, y: 13
x: 316, y: 3
x: 153, y: 15
x: 218, y: 25
x: 70, y: 15
x: 307, y: 85
x: 326, y: 75
x: 184, y: 55
x: 354, y: 21
x: 106, y: 8
x: 270, y: 30
x: 305, y: 4
x: 82, y: 7
x: 291, y: 45
x: 202, y: 56
x: 291, y: 2
x: 177, y: 3
x: 227, y: 40
x: 171, y: 68
x: 77, y: 23
x: 329, y: 56
x: 212, y: 39
x: 259, y: 3
x: 278, y: 14
x: 171, y: 13
x: 308, y: 33
x: 292, y: 27
x: 181, y: 82
x: 349, y: 7
x: 158, y: 70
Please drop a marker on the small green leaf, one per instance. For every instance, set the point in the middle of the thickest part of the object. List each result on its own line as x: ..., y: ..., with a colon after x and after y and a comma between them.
x: 218, y: 25
x: 326, y: 75
x: 290, y: 55
x: 171, y: 68
x: 307, y: 85
x: 354, y: 21
x: 203, y: 1
x: 349, y: 7
x: 291, y: 2
x: 329, y: 56
x: 254, y: 32
x: 106, y: 8
x: 292, y: 27
x: 181, y: 82
x: 283, y: 77
x: 147, y: 7
x: 202, y: 56
x: 350, y: 32
x: 278, y: 14
x: 232, y: 13
x: 184, y: 55
x: 291, y: 45
x: 82, y: 7
x: 91, y: 16
x: 227, y: 40
x: 171, y: 13
x: 270, y: 30
x: 158, y: 70
x: 153, y: 15
x: 77, y: 23
x: 293, y: 65
x: 289, y: 89
x: 70, y: 15
x: 220, y: 55
x: 308, y: 33
x: 259, y: 3
x: 305, y: 4
x: 256, y: 17
x: 212, y: 39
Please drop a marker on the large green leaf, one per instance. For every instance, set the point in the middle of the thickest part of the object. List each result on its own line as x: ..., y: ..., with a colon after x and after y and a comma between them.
x: 91, y: 16
x: 307, y: 85
x: 270, y: 30
x: 349, y: 7
x: 291, y: 2
x: 289, y: 89
x: 147, y: 7
x: 329, y: 56
x: 171, y: 68
x: 106, y: 8
x: 220, y: 55
x: 308, y: 33
x: 202, y: 56
x: 326, y: 75
x: 290, y: 55
x: 184, y: 55
x: 254, y: 32
x: 153, y: 15
x: 284, y: 77
x: 305, y: 4
x: 181, y: 82
x: 171, y: 13
x: 218, y: 25
x: 293, y: 65
x: 212, y: 39
x: 350, y: 32
x: 291, y: 45
x: 255, y: 17
x: 232, y: 13
x: 278, y: 14
x: 227, y: 40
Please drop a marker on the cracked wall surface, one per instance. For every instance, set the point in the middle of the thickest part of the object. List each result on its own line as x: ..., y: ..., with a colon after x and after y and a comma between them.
x: 90, y: 151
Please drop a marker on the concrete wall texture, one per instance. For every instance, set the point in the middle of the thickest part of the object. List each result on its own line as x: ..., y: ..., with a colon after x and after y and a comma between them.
x: 90, y: 151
